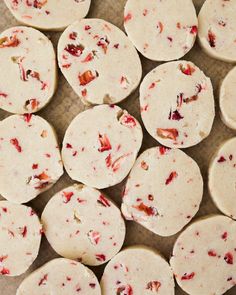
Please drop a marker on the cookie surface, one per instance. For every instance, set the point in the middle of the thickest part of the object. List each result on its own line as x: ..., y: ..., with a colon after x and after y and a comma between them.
x: 161, y: 30
x: 159, y: 181
x: 20, y: 237
x: 99, y: 61
x: 62, y: 277
x: 204, y: 256
x: 48, y: 14
x: 221, y: 180
x: 129, y: 272
x: 178, y: 115
x: 29, y: 156
x: 93, y: 228
x: 33, y: 75
x: 100, y: 146
x: 217, y: 29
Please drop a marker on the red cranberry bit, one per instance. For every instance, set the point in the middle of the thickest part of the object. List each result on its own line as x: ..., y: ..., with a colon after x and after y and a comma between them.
x: 128, y: 120
x: 103, y: 43
x: 212, y: 253
x: 43, y: 280
x: 86, y: 78
x: 224, y: 236
x: 100, y: 257
x: 87, y: 27
x: 163, y: 150
x: 229, y: 258
x: 68, y: 146
x: 175, y: 116
x: 194, y: 30
x: 94, y: 237
x: 108, y: 161
x: 125, y: 290
x: 186, y: 276
x: 27, y: 117
x: 9, y: 42
x: 67, y: 196
x: 171, y: 177
x: 42, y: 176
x: 144, y: 165
x: 168, y: 133
x: 5, y: 271
x: 105, y: 143
x: 31, y: 104
x: 103, y: 201
x: 73, y: 36
x: 3, y: 258
x: 16, y: 144
x: 149, y: 211
x: 230, y: 157
x: 221, y: 159
x: 160, y: 27
x: 150, y: 197
x: 180, y: 100
x: 88, y: 58
x: 2, y: 94
x: 153, y: 286
x: 189, y: 70
x: 75, y: 50
x: 24, y: 231
x: 212, y: 39
x: 191, y: 99
x: 92, y: 285
x: 128, y: 17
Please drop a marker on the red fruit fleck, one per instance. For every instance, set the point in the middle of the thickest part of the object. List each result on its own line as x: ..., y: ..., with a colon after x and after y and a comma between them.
x: 75, y: 50
x: 194, y: 30
x: 150, y: 211
x: 3, y: 258
x: 127, y: 17
x: 5, y: 271
x: 230, y: 157
x: 163, y: 150
x: 33, y: 103
x: 186, y: 277
x: 153, y: 286
x: 105, y: 143
x: 103, y: 43
x: 175, y: 116
x: 125, y: 290
x: 128, y: 120
x: 84, y: 92
x: 171, y: 177
x: 168, y: 133
x: 88, y: 58
x: 103, y: 201
x: 212, y: 253
x: 189, y: 70
x: 66, y: 66
x: 160, y: 27
x: 108, y: 161
x: 92, y: 285
x: 43, y: 280
x: 221, y: 159
x: 116, y: 45
x: 87, y: 27
x: 73, y: 36
x: 94, y: 237
x: 224, y: 236
x: 86, y: 78
x: 9, y: 42
x: 68, y: 196
x: 24, y: 231
x: 229, y: 258
x: 180, y: 100
x: 27, y: 117
x: 4, y: 209
x: 15, y: 143
x: 170, y: 39
x: 211, y: 39
x: 100, y: 257
x: 42, y: 176
x: 150, y: 197
x: 3, y: 94
x: 144, y: 165
x: 68, y: 146
x: 191, y: 99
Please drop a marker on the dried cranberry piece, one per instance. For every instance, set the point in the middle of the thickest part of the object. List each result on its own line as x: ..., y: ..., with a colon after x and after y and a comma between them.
x: 105, y: 143
x: 100, y: 257
x: 103, y: 201
x: 170, y: 133
x: 127, y: 17
x: 212, y: 39
x: 149, y: 211
x: 124, y: 290
x: 68, y: 196
x: 171, y: 177
x: 86, y: 78
x: 75, y: 50
x: 186, y: 276
x: 221, y: 159
x: 15, y: 143
x: 229, y: 259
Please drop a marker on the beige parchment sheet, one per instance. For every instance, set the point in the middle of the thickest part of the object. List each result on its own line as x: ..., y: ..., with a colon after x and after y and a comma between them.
x: 65, y: 105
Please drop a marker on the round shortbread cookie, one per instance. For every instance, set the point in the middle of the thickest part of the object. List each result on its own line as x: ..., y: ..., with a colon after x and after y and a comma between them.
x: 203, y: 258
x: 81, y: 223
x: 101, y: 145
x: 48, y: 14
x: 60, y: 277
x: 29, y: 157
x: 222, y: 175
x: 138, y: 270
x: 20, y: 237
x: 217, y: 24
x: 177, y: 104
x: 163, y: 191
x: 99, y: 61
x: 28, y: 74
x: 228, y: 99
x: 161, y: 30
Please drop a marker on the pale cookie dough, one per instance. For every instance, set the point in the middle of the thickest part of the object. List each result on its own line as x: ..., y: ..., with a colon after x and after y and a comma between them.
x: 222, y: 178
x: 228, y: 99
x: 28, y: 74
x: 29, y: 156
x: 48, y: 14
x: 101, y: 145
x: 138, y: 270
x: 60, y: 277
x: 99, y: 61
x: 81, y: 223
x: 204, y: 256
x: 217, y: 33
x: 161, y: 30
x: 20, y: 237
x: 163, y: 191
x: 177, y: 104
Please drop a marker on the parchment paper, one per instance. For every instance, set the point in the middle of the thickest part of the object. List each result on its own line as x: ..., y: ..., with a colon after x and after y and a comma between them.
x: 65, y: 106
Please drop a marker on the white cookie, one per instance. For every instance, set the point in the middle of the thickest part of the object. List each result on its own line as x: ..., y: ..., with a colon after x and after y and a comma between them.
x: 177, y: 104
x: 227, y: 99
x: 222, y: 175
x: 20, y: 237
x: 100, y: 146
x: 81, y: 223
x: 163, y: 191
x: 161, y: 30
x: 99, y: 61
x: 204, y: 256
x: 48, y: 14
x: 217, y: 24
x: 28, y: 74
x: 29, y: 157
x: 60, y: 277
x: 138, y: 270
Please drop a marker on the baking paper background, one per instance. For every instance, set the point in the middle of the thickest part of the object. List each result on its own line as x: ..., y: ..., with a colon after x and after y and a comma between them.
x: 65, y: 105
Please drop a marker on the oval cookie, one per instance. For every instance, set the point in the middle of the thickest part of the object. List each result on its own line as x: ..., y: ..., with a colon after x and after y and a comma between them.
x: 29, y: 157
x: 100, y: 146
x: 48, y: 14
x: 217, y: 29
x: 99, y: 61
x: 20, y: 237
x: 81, y: 223
x: 60, y: 276
x: 28, y: 62
x: 179, y: 116
x: 204, y: 256
x: 161, y: 30
x: 129, y: 272
x: 160, y: 180
x: 222, y: 175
